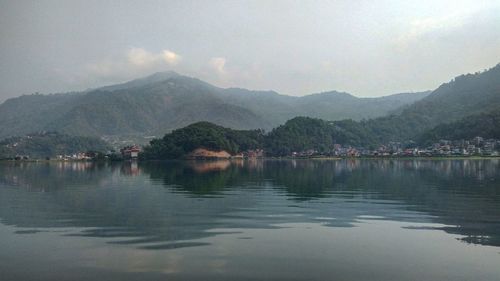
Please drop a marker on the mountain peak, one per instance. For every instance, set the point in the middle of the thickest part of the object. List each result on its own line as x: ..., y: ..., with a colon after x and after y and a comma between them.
x: 329, y: 95
x: 160, y: 76
x: 153, y: 78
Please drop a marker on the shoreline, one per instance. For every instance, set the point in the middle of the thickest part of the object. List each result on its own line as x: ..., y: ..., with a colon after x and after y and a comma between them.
x: 320, y: 158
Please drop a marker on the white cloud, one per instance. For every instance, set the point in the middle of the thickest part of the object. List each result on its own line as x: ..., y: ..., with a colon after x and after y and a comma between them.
x: 140, y: 57
x: 170, y: 57
x: 143, y: 58
x: 427, y: 25
x: 445, y: 23
x: 133, y: 63
x: 218, y: 64
x: 103, y: 68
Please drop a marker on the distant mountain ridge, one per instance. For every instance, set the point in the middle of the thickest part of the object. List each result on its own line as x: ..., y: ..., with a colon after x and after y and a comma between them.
x: 464, y: 96
x: 164, y: 101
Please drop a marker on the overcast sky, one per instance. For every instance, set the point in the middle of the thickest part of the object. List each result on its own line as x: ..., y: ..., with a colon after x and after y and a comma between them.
x: 367, y: 48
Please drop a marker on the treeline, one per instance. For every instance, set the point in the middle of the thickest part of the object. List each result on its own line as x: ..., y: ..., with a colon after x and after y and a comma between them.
x: 49, y: 144
x: 297, y: 134
x: 304, y: 133
x: 202, y: 135
x: 486, y: 125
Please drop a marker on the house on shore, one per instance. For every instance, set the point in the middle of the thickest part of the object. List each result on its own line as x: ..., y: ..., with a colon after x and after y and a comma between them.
x: 130, y: 152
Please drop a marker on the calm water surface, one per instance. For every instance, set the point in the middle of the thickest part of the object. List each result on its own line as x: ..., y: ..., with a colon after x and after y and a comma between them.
x: 251, y: 220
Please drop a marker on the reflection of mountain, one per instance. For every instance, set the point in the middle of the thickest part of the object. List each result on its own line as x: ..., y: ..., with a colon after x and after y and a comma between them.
x: 460, y: 193
x: 160, y: 205
x: 110, y: 203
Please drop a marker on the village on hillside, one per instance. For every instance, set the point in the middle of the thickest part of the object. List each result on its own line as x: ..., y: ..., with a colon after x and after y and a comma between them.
x: 477, y: 146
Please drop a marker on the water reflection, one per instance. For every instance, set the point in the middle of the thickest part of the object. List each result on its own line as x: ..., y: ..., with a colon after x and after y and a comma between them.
x: 165, y: 205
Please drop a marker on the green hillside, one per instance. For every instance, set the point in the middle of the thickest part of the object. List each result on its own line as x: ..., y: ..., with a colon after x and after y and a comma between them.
x: 49, y: 144
x: 162, y: 102
x: 202, y: 135
x: 297, y: 134
x: 464, y: 96
x: 486, y: 125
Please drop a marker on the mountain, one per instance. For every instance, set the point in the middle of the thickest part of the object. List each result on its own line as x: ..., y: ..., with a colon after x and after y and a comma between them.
x: 486, y: 125
x: 31, y: 113
x: 166, y: 101
x: 464, y: 96
x: 466, y: 107
x: 154, y: 78
x: 151, y: 105
x: 327, y: 105
x: 157, y: 107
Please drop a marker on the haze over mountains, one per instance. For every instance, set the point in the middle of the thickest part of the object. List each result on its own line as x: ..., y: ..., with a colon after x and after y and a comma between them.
x: 164, y: 101
x: 464, y: 108
x: 159, y: 103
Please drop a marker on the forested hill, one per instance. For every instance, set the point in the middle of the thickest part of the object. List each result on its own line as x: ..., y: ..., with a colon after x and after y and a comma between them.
x: 159, y: 103
x: 49, y: 144
x: 464, y: 96
x: 297, y: 134
x: 206, y: 135
x: 466, y: 107
x: 303, y: 133
x: 486, y: 125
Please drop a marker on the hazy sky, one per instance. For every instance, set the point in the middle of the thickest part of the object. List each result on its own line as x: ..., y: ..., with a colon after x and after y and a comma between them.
x: 367, y: 48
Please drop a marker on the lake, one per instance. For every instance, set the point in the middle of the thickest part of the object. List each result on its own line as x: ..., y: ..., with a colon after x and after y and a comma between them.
x: 251, y: 220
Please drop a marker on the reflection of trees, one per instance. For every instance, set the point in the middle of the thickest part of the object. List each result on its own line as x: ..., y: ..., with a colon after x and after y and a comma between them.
x: 461, y: 193
x: 51, y: 176
x: 125, y: 201
x: 201, y: 177
x: 301, y: 179
x: 114, y: 205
